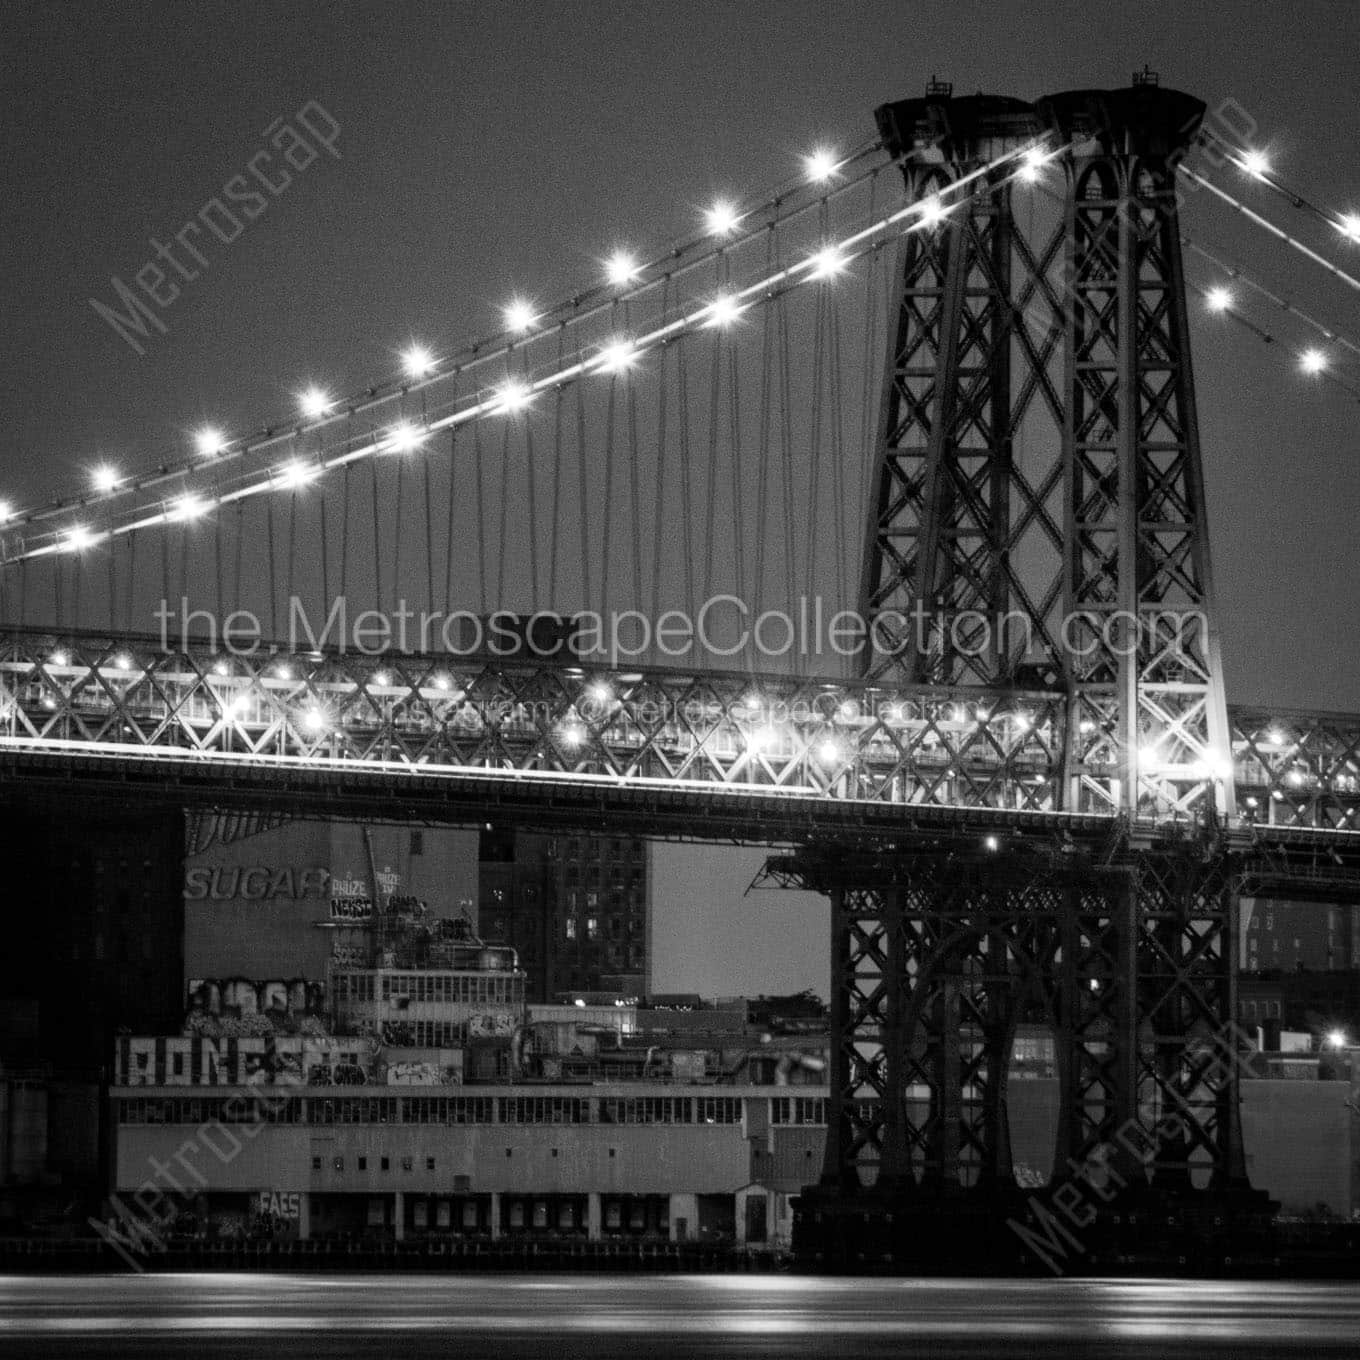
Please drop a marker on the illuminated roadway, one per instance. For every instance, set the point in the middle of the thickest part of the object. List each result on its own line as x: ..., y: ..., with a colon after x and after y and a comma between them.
x: 566, y: 1316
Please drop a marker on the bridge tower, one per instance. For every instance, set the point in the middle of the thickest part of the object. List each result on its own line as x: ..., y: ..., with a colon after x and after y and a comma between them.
x: 1036, y: 523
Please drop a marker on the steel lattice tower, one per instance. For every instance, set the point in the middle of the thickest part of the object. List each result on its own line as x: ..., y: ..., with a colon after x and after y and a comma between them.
x: 1037, y: 523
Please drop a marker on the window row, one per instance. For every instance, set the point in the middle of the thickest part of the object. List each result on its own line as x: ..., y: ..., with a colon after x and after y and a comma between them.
x: 322, y: 1110
x: 798, y: 1110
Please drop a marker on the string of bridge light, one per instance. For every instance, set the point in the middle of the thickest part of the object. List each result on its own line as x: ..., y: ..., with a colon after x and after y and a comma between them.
x: 1257, y: 165
x: 1220, y: 298
x: 1313, y: 362
x: 615, y: 357
x: 625, y: 279
x: 1266, y: 224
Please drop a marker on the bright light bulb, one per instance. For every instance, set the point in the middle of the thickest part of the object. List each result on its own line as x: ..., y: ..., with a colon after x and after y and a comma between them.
x: 761, y: 739
x: 620, y: 268
x: 513, y: 396
x: 77, y: 538
x: 6, y: 511
x: 1350, y: 225
x: 105, y: 478
x: 829, y: 752
x: 296, y: 473
x: 221, y: 668
x: 616, y: 357
x: 1337, y: 1038
x: 724, y: 311
x: 572, y: 736
x: 1313, y: 361
x: 820, y: 165
x: 283, y: 671
x: 405, y: 437
x: 209, y: 442
x: 1255, y: 163
x: 722, y: 218
x: 441, y: 682
x: 417, y: 361
x: 1031, y: 165
x: 991, y: 843
x: 59, y: 659
x: 1218, y: 299
x: 600, y: 692
x: 519, y: 316
x: 122, y: 662
x: 314, y: 402
x: 933, y: 212
x: 381, y: 679
x: 315, y: 720
x: 188, y: 507
x: 828, y: 262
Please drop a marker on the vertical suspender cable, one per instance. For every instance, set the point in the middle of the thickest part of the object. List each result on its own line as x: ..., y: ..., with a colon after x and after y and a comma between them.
x: 556, y: 529
x: 634, y: 489
x: 786, y: 436
x: 377, y: 538
x: 292, y: 550
x: 535, y: 589
x: 608, y: 535
x: 815, y: 425
x: 588, y: 599
x: 763, y: 428
x: 273, y: 588
x: 837, y: 451
x: 453, y: 528
x: 686, y: 487
x: 219, y: 567
x: 165, y: 568
x: 501, y: 546
x: 132, y: 578
x: 399, y: 514
x: 240, y: 539
x: 325, y: 559
x: 344, y: 534
x: 481, y: 513
x: 711, y: 473
x: 738, y: 489
x: 659, y: 516
x: 429, y: 539
x: 868, y: 425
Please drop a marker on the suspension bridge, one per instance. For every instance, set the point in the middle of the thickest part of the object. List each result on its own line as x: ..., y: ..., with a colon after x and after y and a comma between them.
x: 940, y: 385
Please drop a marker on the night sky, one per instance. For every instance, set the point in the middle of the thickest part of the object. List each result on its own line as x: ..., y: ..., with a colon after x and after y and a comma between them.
x: 490, y: 149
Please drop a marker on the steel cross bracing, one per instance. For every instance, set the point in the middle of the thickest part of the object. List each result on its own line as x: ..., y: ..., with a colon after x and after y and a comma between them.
x: 938, y: 954
x: 238, y: 722
x: 1038, y: 488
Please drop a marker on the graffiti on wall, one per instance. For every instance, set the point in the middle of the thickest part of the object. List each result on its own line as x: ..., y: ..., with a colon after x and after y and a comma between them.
x: 244, y: 1006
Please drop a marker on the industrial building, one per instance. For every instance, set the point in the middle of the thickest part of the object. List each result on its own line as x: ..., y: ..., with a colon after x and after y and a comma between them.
x: 420, y: 1096
x: 576, y: 908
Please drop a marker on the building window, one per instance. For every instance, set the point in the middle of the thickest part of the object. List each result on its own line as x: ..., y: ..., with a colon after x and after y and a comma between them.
x: 406, y: 1164
x: 592, y: 927
x: 316, y: 1163
x: 363, y: 1163
x: 387, y: 1164
x: 429, y: 1163
x: 417, y: 842
x: 339, y: 1163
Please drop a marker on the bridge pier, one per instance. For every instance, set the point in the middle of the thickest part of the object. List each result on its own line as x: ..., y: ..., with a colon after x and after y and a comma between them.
x: 1126, y: 953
